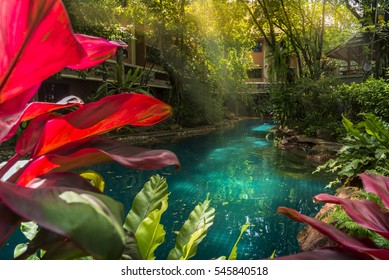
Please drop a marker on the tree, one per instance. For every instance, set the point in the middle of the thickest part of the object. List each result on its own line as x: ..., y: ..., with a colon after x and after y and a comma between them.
x: 373, y: 15
x: 299, y: 28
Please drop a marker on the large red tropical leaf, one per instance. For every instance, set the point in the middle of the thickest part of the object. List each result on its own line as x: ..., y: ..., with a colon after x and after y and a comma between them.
x: 100, y: 117
x: 11, y: 112
x: 335, y: 234
x: 36, y: 41
x: 98, y: 50
x: 31, y: 111
x: 363, y: 212
x: 97, y: 150
x: 377, y: 184
x: 92, y: 221
x: 329, y: 253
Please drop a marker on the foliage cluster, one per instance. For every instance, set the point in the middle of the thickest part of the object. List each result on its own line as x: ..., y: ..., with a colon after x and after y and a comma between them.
x: 371, y: 217
x: 371, y: 96
x: 306, y: 105
x: 366, y: 147
x: 144, y: 232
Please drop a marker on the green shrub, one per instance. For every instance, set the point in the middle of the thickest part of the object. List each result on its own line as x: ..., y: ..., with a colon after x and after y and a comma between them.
x: 366, y: 149
x: 307, y: 105
x: 371, y: 96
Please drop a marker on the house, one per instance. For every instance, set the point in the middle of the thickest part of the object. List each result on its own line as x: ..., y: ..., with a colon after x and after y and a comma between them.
x: 259, y: 73
x: 355, y: 56
x: 140, y: 54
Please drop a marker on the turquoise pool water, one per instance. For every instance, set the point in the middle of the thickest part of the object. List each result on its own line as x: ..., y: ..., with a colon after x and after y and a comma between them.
x: 247, y: 179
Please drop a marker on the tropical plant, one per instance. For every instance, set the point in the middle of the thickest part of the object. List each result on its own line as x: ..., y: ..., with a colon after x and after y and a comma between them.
x: 365, y: 213
x: 365, y: 150
x: 371, y: 96
x: 75, y: 217
x: 306, y: 105
x: 143, y: 229
x: 122, y: 82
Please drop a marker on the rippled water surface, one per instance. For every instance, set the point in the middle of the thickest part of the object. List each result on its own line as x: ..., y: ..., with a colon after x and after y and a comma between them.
x: 246, y: 178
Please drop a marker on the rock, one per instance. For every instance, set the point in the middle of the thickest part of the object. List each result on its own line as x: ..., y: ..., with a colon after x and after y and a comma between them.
x: 325, y: 134
x: 321, y: 153
x: 310, y: 239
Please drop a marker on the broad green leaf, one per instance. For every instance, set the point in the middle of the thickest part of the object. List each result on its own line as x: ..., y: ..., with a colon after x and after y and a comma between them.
x: 21, y: 249
x: 29, y: 229
x: 201, y: 217
x: 234, y: 251
x: 91, y: 220
x: 147, y: 200
x: 150, y: 233
x: 131, y: 251
x: 95, y: 179
x: 375, y: 128
x: 188, y: 249
x: 349, y: 126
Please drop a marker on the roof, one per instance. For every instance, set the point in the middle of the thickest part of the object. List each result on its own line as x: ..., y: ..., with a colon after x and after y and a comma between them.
x: 353, y: 49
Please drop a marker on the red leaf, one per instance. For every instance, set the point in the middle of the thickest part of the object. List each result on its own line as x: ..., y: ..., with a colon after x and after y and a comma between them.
x: 363, y: 212
x: 377, y: 184
x: 11, y: 111
x: 31, y: 111
x: 9, y: 221
x: 100, y: 117
x: 329, y: 253
x: 97, y: 150
x: 63, y: 179
x: 335, y: 234
x: 31, y: 135
x: 77, y: 220
x: 97, y: 49
x: 36, y: 41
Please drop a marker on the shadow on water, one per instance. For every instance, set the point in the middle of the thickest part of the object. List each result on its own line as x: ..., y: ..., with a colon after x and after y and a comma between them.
x: 247, y: 179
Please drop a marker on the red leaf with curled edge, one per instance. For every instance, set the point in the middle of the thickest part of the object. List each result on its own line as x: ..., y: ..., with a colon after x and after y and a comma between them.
x: 97, y: 49
x: 100, y: 117
x: 11, y: 112
x: 95, y: 150
x: 31, y: 111
x: 335, y: 234
x: 36, y: 41
x: 363, y: 212
x: 377, y: 184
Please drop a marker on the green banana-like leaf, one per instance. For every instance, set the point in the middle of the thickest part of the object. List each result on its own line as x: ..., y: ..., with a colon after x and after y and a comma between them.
x: 349, y: 126
x: 150, y: 233
x: 234, y: 251
x: 146, y: 201
x: 200, y: 219
x: 375, y: 128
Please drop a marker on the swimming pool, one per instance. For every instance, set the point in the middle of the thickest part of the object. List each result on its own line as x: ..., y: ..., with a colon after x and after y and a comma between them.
x: 247, y: 180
